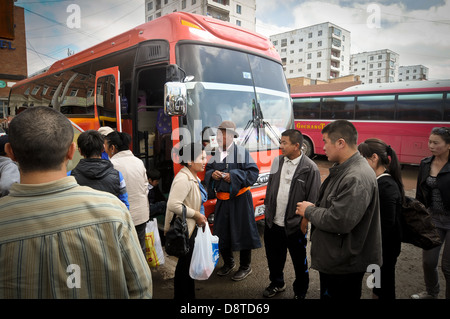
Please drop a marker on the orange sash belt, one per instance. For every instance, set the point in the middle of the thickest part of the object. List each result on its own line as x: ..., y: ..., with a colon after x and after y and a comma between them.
x: 226, y: 196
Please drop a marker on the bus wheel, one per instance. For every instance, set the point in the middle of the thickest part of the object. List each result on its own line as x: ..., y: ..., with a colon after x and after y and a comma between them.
x: 307, y: 147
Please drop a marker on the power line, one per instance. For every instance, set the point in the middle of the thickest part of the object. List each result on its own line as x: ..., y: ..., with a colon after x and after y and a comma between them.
x: 79, y: 31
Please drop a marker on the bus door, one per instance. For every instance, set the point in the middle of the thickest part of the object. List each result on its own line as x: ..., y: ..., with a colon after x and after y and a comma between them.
x: 107, y: 101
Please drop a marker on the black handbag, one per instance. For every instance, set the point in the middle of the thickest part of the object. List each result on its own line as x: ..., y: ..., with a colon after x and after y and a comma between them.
x: 177, y: 237
x: 417, y: 227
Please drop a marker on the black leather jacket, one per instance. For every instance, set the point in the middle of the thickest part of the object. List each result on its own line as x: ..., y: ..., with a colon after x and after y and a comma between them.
x: 423, y: 193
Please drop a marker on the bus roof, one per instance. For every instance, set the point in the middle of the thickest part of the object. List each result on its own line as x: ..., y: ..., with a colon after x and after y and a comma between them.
x: 385, y: 88
x: 171, y: 27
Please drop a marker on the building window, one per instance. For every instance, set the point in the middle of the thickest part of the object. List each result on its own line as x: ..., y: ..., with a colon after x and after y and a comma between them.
x: 238, y: 23
x: 319, y: 44
x: 309, y: 45
x: 193, y: 2
x: 319, y: 65
x: 35, y: 90
x: 319, y: 54
x: 337, y: 32
x: 309, y: 56
x: 283, y: 42
x: 150, y: 6
x: 336, y: 43
x: 310, y: 35
x: 319, y: 33
x: 238, y: 9
x: 183, y: 4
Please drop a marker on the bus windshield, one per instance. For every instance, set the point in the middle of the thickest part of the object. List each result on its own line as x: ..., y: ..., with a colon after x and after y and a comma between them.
x: 231, y: 85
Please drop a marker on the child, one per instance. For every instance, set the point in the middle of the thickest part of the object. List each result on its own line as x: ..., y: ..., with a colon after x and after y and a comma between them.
x: 156, y: 199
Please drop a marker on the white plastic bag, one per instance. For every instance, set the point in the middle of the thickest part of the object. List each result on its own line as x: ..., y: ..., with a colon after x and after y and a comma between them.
x: 153, y: 248
x: 204, y: 258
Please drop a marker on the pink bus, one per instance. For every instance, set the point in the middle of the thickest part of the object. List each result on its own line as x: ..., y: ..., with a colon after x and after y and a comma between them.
x: 402, y: 114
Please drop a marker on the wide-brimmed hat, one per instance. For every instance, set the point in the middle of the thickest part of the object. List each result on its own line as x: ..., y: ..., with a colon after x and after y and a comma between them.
x: 229, y: 126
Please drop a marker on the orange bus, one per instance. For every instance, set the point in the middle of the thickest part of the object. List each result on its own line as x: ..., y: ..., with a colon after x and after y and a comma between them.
x: 166, y: 80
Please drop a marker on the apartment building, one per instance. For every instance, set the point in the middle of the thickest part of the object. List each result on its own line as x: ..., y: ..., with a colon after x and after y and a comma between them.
x: 319, y: 52
x: 239, y: 12
x: 412, y: 73
x: 379, y: 66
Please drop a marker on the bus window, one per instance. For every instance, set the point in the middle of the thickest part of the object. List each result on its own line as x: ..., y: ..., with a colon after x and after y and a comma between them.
x: 375, y: 107
x: 335, y: 108
x: 307, y: 108
x: 447, y: 108
x: 420, y: 107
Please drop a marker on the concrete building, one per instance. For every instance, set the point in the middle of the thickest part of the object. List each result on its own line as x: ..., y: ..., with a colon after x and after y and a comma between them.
x: 239, y: 12
x: 412, y: 73
x: 379, y: 66
x: 13, y: 53
x: 319, y: 52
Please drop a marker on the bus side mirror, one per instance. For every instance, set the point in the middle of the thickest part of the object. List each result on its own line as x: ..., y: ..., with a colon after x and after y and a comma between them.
x: 175, y: 97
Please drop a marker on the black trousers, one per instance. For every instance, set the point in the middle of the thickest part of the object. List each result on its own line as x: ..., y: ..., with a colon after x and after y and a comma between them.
x: 183, y: 284
x: 140, y: 230
x: 387, y: 276
x: 277, y: 243
x: 245, y: 257
x: 341, y: 287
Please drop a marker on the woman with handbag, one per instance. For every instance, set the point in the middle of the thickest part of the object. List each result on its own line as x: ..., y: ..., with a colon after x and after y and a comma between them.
x: 187, y: 189
x: 433, y: 184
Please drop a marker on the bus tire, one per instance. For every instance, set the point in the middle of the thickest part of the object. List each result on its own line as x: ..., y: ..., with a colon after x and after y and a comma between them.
x: 307, y: 147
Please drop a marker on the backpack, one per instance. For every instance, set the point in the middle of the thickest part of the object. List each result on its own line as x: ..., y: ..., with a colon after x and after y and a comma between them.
x: 417, y: 227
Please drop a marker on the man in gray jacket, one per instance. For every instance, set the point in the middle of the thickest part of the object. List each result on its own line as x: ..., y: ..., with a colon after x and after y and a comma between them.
x: 346, y: 238
x: 293, y: 178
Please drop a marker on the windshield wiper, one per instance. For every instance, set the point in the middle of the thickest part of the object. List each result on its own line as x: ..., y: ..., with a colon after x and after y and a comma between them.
x: 257, y: 122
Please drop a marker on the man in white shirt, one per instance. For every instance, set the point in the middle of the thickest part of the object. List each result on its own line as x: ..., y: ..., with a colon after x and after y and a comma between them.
x: 293, y: 178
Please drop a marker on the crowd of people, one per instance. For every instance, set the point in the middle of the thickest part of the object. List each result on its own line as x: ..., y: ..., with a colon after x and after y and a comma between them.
x: 81, y: 234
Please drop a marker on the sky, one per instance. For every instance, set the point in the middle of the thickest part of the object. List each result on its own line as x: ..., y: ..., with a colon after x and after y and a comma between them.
x: 418, y: 30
